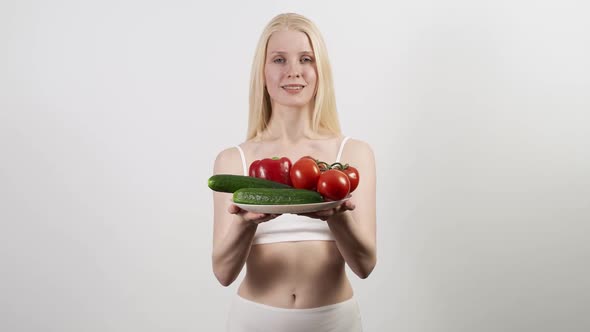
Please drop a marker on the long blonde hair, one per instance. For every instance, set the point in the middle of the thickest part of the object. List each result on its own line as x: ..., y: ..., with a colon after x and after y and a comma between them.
x: 324, y: 115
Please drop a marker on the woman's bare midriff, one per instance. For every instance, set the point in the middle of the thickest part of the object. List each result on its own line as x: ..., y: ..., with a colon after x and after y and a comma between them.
x: 296, y: 275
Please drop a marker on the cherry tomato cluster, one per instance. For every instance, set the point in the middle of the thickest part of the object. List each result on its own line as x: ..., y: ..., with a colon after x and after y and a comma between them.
x: 333, y: 181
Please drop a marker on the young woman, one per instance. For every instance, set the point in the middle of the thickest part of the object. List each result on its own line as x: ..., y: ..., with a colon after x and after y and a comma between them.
x: 295, y: 278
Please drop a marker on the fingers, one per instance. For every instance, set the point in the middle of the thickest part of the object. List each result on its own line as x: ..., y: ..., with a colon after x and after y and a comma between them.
x: 346, y: 206
x: 323, y: 214
x: 326, y: 214
x: 258, y: 218
x: 233, y: 209
x: 349, y: 205
x: 252, y: 217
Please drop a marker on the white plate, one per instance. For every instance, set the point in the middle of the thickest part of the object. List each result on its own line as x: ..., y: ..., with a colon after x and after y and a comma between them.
x: 290, y: 208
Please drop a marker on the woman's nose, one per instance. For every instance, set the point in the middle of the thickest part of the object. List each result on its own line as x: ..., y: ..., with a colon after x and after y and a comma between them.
x: 294, y: 71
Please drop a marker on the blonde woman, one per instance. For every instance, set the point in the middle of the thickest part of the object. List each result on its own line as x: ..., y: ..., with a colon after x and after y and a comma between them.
x: 295, y: 264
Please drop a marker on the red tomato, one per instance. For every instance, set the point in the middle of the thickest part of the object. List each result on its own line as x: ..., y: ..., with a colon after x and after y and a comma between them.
x: 305, y: 173
x: 353, y: 176
x: 333, y: 185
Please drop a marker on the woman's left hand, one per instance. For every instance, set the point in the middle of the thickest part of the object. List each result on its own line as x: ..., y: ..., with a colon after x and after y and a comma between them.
x: 326, y: 214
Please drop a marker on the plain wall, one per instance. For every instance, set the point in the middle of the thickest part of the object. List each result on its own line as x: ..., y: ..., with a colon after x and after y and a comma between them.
x: 112, y: 113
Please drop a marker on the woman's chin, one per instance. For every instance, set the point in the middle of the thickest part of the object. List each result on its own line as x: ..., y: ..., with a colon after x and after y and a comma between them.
x: 293, y: 102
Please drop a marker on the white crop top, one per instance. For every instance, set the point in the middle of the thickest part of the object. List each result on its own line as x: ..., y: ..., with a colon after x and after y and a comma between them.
x: 292, y: 227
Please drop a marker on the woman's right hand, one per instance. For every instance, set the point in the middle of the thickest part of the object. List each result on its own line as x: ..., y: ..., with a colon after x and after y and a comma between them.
x: 250, y: 217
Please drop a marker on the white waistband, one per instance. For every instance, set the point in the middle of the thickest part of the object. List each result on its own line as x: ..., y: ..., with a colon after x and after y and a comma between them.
x: 306, y: 310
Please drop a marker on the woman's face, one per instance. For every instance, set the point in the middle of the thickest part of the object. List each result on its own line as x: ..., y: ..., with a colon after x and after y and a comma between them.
x: 290, y: 71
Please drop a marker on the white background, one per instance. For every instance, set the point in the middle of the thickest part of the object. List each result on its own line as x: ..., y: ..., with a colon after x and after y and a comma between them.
x: 112, y: 112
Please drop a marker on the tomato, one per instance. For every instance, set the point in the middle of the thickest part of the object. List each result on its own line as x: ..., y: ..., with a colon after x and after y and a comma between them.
x: 305, y: 173
x: 353, y: 177
x: 333, y: 184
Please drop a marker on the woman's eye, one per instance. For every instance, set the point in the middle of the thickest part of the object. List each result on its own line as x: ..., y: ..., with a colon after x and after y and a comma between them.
x: 306, y: 59
x: 278, y: 60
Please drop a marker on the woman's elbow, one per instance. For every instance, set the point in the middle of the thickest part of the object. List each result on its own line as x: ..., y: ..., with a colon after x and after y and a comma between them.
x: 224, y: 281
x: 224, y: 278
x: 222, y: 275
x: 365, y: 269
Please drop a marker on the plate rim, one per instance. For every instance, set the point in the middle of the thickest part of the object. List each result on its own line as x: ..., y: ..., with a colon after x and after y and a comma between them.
x: 287, y: 205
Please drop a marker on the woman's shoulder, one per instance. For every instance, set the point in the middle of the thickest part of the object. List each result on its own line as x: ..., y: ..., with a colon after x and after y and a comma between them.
x: 227, y: 161
x: 356, y: 149
x: 357, y: 144
x: 228, y: 153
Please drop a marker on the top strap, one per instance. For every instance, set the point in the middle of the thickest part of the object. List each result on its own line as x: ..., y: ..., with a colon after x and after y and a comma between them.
x: 243, y: 160
x: 341, y: 149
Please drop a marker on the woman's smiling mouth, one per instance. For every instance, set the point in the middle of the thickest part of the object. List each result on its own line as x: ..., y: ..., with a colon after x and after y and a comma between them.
x: 293, y: 88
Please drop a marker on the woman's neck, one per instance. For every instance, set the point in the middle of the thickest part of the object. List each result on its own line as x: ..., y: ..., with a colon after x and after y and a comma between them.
x: 289, y: 125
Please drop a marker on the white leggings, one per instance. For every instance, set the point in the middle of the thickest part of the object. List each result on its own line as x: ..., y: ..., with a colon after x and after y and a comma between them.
x: 248, y: 316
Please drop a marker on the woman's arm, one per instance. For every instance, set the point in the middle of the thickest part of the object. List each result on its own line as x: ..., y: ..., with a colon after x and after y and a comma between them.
x: 233, y: 228
x: 355, y: 230
x: 353, y: 222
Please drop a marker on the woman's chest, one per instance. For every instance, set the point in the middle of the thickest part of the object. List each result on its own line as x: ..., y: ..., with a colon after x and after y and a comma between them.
x: 325, y: 151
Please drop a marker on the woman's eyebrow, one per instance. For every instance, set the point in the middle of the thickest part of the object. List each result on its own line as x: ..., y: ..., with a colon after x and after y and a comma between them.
x: 283, y: 52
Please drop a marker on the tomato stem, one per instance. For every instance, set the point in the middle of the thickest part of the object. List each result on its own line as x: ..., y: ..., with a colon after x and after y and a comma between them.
x: 323, y: 165
x: 339, y: 166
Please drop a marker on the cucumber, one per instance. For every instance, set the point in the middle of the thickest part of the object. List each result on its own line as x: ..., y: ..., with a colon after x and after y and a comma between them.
x: 273, y: 196
x: 229, y: 183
